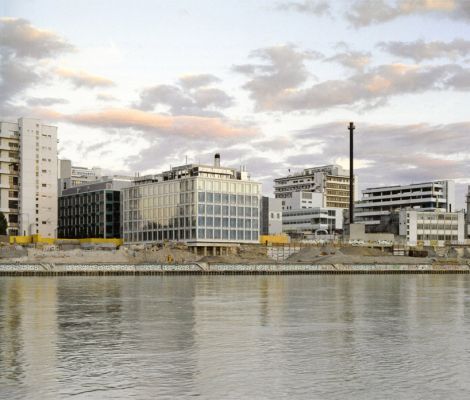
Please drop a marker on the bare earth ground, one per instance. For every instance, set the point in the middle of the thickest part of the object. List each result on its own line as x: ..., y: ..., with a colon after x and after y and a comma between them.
x: 245, y: 255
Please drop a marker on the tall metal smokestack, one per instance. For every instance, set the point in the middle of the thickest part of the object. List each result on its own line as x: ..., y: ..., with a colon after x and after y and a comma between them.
x: 351, y: 172
x: 217, y: 160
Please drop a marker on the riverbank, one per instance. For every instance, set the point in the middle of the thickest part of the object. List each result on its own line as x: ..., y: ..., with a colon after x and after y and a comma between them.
x: 45, y: 269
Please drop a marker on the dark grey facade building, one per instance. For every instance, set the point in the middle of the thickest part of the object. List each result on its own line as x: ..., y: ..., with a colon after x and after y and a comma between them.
x: 270, y: 216
x: 92, y: 210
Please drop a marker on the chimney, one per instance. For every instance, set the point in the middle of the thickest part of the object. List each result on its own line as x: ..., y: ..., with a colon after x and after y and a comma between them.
x: 217, y: 160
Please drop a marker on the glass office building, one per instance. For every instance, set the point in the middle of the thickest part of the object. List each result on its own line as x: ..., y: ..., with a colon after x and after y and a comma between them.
x: 92, y: 210
x: 195, y: 204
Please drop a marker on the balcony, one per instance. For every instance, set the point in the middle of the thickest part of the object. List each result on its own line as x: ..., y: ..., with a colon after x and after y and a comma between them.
x: 10, y: 135
x: 9, y: 159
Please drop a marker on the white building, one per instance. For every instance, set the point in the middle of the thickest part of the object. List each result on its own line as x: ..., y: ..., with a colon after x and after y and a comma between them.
x: 271, y: 216
x: 300, y: 200
x: 308, y: 221
x: 331, y: 181
x: 377, y: 203
x: 431, y: 228
x: 28, y: 177
x: 201, y: 205
x: 71, y: 176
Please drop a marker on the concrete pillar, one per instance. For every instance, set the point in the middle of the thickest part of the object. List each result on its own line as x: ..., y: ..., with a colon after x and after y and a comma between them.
x: 205, y: 250
x: 214, y: 250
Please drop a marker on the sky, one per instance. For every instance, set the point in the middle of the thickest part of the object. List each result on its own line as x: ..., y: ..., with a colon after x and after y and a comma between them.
x: 137, y: 87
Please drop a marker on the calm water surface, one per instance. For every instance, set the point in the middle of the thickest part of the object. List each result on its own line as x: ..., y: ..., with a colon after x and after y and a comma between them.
x: 235, y: 337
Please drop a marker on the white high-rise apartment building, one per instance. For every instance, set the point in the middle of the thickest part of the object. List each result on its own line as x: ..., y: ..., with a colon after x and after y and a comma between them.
x: 28, y: 177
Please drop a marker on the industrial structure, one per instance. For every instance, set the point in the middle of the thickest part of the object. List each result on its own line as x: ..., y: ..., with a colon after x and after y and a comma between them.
x: 378, y: 203
x: 314, y: 200
x: 312, y: 222
x: 28, y: 177
x: 208, y: 207
x: 92, y: 210
x: 431, y: 228
x: 331, y: 181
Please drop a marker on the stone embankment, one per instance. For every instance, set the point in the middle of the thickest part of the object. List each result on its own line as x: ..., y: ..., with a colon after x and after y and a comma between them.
x: 208, y: 268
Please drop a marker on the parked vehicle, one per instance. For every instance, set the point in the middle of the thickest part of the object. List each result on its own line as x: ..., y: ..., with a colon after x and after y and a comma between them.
x: 356, y: 242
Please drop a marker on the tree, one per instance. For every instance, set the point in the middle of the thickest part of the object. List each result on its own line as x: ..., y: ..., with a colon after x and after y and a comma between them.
x: 3, y: 224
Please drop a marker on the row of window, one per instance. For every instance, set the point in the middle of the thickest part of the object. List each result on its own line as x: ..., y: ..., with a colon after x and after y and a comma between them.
x: 225, y: 234
x: 227, y: 210
x: 438, y: 237
x: 227, y: 222
x: 225, y: 198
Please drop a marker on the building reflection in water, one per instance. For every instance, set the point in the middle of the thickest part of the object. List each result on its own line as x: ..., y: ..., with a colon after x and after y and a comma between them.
x: 230, y: 336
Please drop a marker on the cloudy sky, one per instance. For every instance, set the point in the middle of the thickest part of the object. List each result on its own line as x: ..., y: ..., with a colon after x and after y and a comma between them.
x: 139, y: 86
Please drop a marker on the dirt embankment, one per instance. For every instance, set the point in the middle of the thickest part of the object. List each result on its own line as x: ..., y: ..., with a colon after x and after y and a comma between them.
x: 366, y: 255
x: 245, y: 254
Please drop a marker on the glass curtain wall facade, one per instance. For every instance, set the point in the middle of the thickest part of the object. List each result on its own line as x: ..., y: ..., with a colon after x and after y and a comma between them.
x: 93, y: 214
x: 193, y: 210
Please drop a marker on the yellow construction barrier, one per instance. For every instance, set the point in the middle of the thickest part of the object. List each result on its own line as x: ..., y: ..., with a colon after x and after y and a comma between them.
x: 38, y: 239
x: 274, y: 239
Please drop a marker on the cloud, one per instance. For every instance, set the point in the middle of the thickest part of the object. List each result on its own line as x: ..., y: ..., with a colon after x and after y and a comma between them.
x: 45, y: 101
x: 421, y: 50
x: 191, y: 97
x: 315, y: 7
x: 23, y: 47
x: 84, y: 79
x: 281, y: 84
x: 368, y: 12
x: 106, y: 97
x: 212, y: 97
x: 15, y: 78
x: 356, y: 60
x: 284, y: 69
x: 193, y: 127
x: 196, y: 81
x: 25, y: 40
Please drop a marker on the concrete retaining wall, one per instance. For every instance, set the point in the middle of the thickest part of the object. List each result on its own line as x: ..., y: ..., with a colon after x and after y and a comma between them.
x: 204, y: 268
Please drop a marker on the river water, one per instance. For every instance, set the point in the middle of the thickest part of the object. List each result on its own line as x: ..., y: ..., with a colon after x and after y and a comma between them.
x: 235, y: 337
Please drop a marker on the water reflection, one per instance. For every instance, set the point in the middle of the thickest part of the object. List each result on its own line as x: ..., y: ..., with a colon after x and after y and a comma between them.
x: 235, y: 337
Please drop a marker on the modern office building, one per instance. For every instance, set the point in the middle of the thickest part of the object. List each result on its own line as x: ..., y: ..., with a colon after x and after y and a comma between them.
x: 312, y: 221
x: 28, y: 177
x: 271, y: 216
x: 201, y: 205
x: 377, y: 203
x: 431, y: 227
x: 92, y: 210
x: 71, y: 176
x: 332, y: 181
